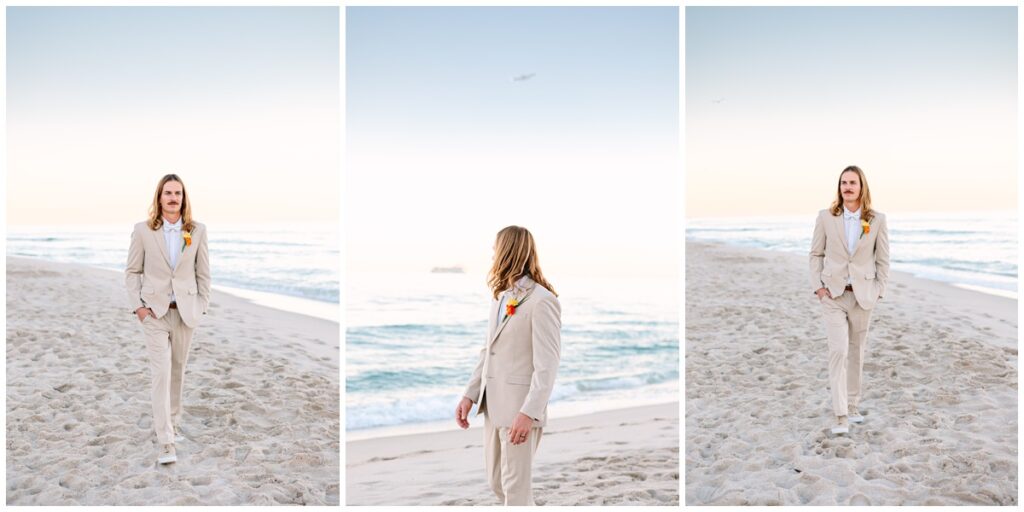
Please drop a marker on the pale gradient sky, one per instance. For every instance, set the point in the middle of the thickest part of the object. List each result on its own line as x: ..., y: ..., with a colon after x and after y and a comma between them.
x: 445, y: 149
x: 241, y: 102
x: 922, y: 98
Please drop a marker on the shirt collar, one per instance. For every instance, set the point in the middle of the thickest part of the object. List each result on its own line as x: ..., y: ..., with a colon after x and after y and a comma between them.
x: 172, y: 227
x: 520, y: 285
x: 851, y: 215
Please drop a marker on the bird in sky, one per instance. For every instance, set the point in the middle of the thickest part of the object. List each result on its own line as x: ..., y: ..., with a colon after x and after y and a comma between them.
x: 523, y: 78
x: 719, y: 101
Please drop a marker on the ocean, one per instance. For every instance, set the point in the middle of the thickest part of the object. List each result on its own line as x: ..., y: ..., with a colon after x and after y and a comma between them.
x: 292, y: 267
x: 974, y: 250
x: 413, y: 339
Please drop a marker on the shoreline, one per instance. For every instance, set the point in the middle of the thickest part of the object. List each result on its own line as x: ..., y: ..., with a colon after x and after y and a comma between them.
x: 330, y: 311
x: 970, y: 299
x: 555, y: 411
x: 278, y: 301
x: 988, y: 290
x: 627, y: 456
x: 220, y: 298
x: 980, y: 289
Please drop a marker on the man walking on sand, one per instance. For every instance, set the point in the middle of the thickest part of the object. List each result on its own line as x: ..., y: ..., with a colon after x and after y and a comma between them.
x: 168, y: 281
x: 849, y: 262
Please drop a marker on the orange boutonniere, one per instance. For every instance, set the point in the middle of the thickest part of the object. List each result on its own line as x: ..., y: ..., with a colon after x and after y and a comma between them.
x: 865, y: 228
x: 510, y: 307
x: 188, y: 240
x: 512, y: 304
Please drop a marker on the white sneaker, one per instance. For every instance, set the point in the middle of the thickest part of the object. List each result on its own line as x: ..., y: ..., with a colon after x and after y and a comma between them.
x: 167, y: 455
x: 178, y: 435
x: 854, y: 415
x: 842, y: 427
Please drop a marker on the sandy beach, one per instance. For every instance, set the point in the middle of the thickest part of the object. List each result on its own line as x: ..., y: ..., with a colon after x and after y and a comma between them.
x: 940, y: 395
x: 620, y: 457
x: 261, y: 400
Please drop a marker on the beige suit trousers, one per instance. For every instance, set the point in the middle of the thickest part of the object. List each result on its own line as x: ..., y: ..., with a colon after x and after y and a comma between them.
x: 167, y: 342
x: 510, y: 467
x: 846, y: 324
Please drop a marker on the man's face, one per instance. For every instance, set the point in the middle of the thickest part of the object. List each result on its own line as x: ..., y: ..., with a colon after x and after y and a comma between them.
x: 171, y: 197
x: 849, y: 186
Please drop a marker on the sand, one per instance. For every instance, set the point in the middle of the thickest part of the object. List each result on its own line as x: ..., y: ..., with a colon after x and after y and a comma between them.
x: 261, y: 400
x: 620, y: 457
x: 940, y: 395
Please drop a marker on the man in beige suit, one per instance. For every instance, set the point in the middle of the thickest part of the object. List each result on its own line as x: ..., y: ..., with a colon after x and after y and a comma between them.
x: 168, y: 281
x: 516, y: 371
x: 849, y: 262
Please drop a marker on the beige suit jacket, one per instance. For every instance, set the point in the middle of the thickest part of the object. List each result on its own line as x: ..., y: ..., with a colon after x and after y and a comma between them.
x: 517, y: 366
x: 832, y: 263
x: 150, y: 279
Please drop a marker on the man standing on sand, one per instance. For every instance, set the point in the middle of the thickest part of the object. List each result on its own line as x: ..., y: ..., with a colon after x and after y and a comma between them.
x: 849, y: 270
x: 168, y: 281
x: 515, y: 374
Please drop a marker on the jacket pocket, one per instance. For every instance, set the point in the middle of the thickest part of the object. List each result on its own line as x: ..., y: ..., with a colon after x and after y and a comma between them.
x: 519, y: 380
x: 869, y: 276
x: 192, y: 291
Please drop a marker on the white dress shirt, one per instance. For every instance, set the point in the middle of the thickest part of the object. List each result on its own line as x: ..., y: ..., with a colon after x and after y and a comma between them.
x: 517, y: 289
x: 853, y: 231
x: 172, y: 235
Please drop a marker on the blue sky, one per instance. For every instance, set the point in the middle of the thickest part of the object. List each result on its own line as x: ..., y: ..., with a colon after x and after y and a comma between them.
x: 231, y: 98
x: 439, y: 133
x: 125, y: 57
x: 904, y: 92
x: 598, y: 70
x: 445, y: 149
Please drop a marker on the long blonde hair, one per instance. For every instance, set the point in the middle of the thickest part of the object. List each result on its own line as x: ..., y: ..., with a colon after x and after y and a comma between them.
x: 156, y: 219
x: 515, y: 255
x: 865, y: 195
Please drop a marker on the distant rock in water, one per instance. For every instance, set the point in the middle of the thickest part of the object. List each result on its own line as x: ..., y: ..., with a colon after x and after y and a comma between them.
x: 448, y: 270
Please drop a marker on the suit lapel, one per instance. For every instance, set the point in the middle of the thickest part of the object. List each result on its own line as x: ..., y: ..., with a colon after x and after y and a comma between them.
x: 840, y: 224
x: 492, y: 323
x: 498, y: 330
x: 158, y: 237
x: 181, y: 256
x: 860, y: 238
